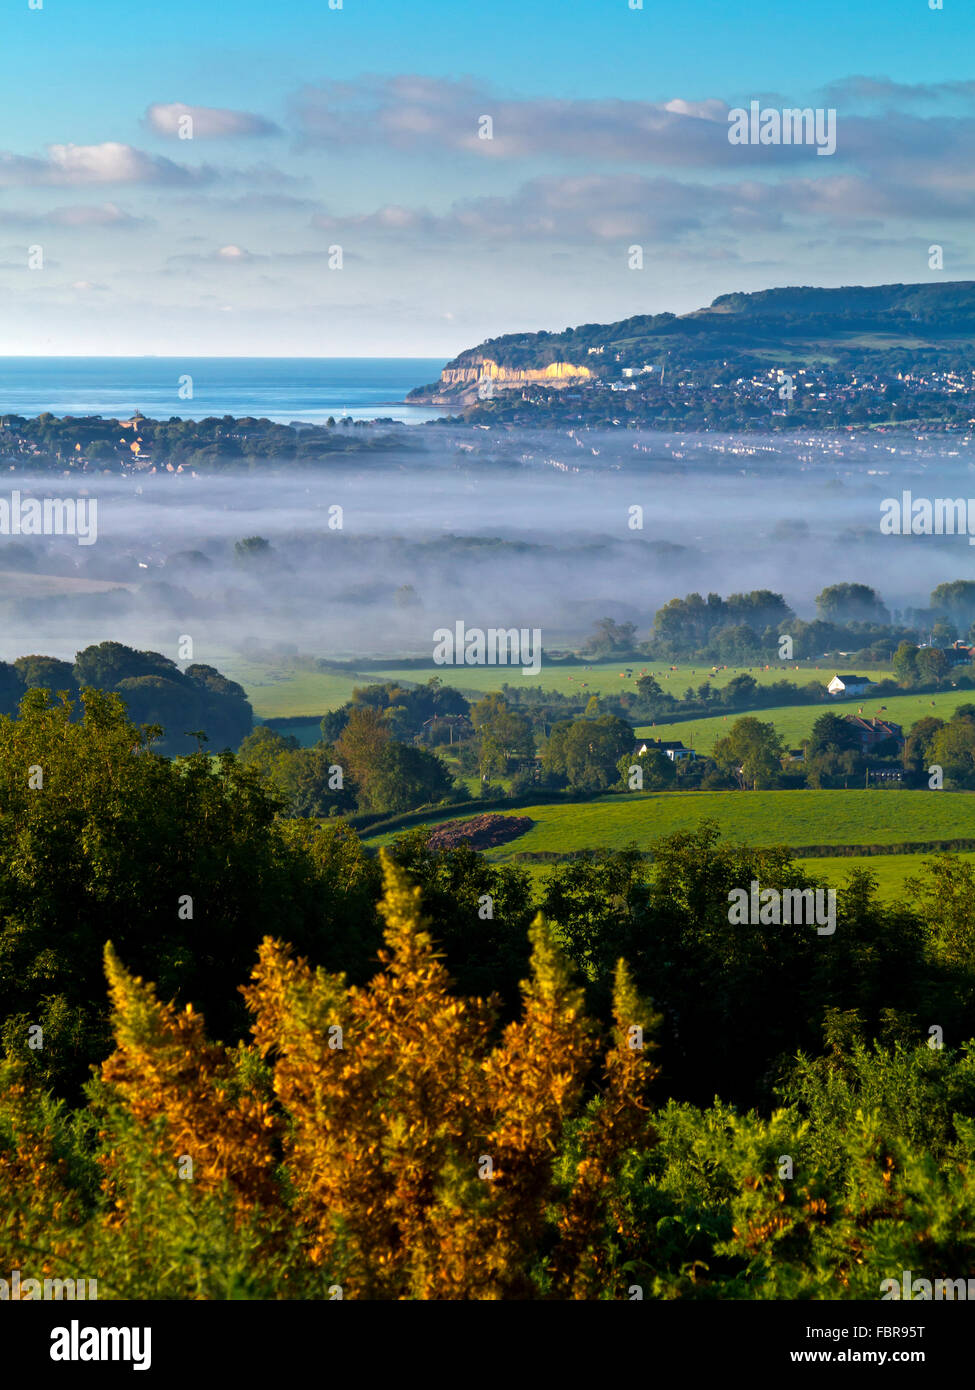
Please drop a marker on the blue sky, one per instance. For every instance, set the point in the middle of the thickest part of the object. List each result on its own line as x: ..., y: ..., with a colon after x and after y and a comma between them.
x: 357, y: 128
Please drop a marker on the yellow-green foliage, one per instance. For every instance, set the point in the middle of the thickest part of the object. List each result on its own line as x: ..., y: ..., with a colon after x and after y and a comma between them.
x: 410, y: 1155
x: 395, y: 1141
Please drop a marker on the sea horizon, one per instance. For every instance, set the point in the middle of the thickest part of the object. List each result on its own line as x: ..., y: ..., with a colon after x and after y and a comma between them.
x: 283, y: 389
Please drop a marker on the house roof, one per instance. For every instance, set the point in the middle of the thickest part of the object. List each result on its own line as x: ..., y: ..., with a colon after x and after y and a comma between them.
x: 874, y: 724
x: 859, y: 680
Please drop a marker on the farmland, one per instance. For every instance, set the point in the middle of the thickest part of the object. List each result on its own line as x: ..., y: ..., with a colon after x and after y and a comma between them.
x: 610, y: 677
x: 794, y: 818
x: 794, y: 722
x: 282, y: 688
x: 890, y: 870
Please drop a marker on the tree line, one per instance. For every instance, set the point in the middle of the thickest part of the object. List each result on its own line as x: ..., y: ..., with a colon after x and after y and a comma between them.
x: 185, y: 706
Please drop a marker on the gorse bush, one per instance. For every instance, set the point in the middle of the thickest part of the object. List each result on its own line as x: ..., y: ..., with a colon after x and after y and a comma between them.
x: 387, y: 1139
x: 392, y: 1141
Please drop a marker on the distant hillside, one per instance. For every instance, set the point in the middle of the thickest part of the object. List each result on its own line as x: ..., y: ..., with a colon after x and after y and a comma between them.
x: 884, y: 326
x: 943, y: 307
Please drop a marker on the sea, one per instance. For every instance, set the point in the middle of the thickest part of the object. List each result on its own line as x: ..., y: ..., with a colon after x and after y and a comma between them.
x: 284, y: 389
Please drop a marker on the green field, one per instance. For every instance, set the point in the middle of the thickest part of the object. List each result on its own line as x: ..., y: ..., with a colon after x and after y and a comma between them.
x: 757, y: 818
x: 609, y: 677
x: 282, y: 689
x: 890, y: 870
x: 279, y: 690
x: 794, y: 722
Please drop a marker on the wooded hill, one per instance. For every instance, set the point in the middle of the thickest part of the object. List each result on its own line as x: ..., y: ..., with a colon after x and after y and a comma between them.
x: 888, y: 326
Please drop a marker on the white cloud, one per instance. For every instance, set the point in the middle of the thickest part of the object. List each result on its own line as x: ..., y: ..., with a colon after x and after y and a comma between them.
x: 107, y: 163
x: 206, y: 122
x: 711, y: 110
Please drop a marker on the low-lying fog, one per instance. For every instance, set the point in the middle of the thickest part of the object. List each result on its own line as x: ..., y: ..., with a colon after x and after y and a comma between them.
x: 499, y: 529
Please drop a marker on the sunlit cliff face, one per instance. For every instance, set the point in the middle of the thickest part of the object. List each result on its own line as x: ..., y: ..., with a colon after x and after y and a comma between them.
x: 484, y: 376
x: 486, y: 369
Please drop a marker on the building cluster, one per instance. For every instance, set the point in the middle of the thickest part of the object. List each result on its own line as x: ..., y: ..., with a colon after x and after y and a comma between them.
x: 783, y: 389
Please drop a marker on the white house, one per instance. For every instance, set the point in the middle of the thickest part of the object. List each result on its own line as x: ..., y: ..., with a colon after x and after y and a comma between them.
x: 674, y: 751
x: 849, y: 685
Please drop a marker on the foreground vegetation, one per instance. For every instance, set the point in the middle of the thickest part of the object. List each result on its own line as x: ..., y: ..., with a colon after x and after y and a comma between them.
x: 387, y: 1143
x: 389, y: 1114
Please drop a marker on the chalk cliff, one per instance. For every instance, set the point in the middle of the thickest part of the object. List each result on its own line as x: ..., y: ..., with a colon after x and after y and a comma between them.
x: 459, y: 383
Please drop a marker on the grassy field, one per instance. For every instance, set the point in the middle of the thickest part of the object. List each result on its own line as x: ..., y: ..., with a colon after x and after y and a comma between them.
x: 306, y: 734
x: 758, y: 818
x: 890, y: 870
x: 610, y: 677
x: 283, y: 689
x: 794, y: 722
